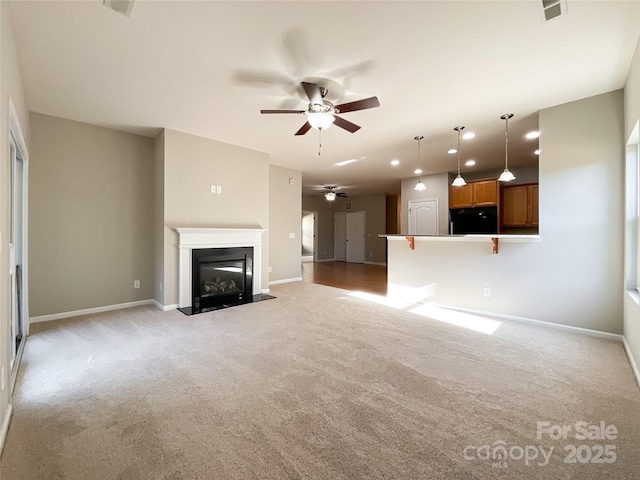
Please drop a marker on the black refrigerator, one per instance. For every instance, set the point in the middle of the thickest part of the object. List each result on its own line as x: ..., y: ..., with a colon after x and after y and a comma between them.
x: 474, y: 220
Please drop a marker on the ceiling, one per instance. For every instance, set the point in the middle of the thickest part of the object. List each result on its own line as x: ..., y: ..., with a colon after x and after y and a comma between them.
x: 208, y: 67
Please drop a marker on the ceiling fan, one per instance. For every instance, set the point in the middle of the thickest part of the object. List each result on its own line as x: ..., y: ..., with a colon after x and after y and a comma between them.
x: 321, y: 113
x: 331, y: 195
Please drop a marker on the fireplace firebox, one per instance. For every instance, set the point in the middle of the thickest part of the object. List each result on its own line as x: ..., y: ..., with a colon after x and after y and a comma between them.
x: 221, y: 277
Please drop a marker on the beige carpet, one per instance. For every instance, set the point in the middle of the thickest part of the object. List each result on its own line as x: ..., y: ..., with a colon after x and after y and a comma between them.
x: 316, y: 384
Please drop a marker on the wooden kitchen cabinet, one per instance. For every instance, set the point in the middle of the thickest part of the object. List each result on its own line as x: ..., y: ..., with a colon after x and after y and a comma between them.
x: 483, y: 193
x: 520, y: 206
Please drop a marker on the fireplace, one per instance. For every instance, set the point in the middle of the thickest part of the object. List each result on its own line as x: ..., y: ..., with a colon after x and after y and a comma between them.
x: 219, y: 268
x: 221, y: 277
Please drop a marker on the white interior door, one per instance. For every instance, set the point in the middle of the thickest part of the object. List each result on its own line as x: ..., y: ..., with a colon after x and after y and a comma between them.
x: 355, y: 237
x: 340, y: 237
x: 423, y: 217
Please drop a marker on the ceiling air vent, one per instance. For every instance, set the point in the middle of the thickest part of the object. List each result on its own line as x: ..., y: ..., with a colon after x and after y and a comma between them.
x: 121, y: 6
x: 553, y: 9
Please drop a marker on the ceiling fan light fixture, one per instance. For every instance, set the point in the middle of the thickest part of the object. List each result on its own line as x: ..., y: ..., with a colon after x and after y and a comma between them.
x: 320, y: 121
x: 330, y: 196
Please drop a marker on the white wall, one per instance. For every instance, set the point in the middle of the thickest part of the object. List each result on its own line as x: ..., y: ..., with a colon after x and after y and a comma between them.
x: 574, y: 275
x: 285, y: 217
x: 11, y: 87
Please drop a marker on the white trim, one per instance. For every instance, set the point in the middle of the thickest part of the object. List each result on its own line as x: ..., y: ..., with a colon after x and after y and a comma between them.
x: 286, y: 280
x: 16, y: 367
x: 384, y: 264
x: 5, y: 426
x: 326, y: 260
x: 265, y: 290
x: 585, y: 331
x: 89, y: 311
x: 632, y: 361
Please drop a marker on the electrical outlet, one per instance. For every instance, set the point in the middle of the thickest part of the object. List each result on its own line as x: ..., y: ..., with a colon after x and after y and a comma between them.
x: 487, y: 292
x: 270, y: 269
x: 218, y: 189
x: 2, y: 380
x: 136, y: 284
x: 292, y: 235
x: 213, y: 189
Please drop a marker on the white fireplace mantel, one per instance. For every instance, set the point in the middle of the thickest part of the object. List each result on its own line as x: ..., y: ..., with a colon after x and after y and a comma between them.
x: 194, y: 238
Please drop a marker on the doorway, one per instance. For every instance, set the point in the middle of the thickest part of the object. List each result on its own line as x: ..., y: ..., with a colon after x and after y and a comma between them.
x: 423, y: 217
x: 309, y: 236
x: 348, y: 231
x: 18, y: 241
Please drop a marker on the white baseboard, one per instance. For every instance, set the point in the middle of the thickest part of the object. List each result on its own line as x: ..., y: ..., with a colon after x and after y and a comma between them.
x: 286, y: 280
x: 326, y: 260
x: 164, y: 308
x: 384, y: 264
x: 265, y: 290
x: 89, y: 311
x: 632, y: 361
x: 5, y: 426
x: 585, y: 331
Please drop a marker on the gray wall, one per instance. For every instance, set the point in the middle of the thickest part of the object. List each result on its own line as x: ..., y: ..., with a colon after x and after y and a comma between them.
x: 90, y: 216
x: 573, y: 276
x: 11, y: 86
x: 375, y: 211
x: 325, y: 209
x: 191, y: 165
x: 285, y: 217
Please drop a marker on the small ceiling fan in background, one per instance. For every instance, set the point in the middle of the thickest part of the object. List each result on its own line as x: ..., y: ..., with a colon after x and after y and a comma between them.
x: 321, y: 113
x: 331, y: 195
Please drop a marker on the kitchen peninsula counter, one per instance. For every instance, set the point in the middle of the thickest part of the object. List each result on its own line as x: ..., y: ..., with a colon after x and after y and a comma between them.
x: 494, y: 239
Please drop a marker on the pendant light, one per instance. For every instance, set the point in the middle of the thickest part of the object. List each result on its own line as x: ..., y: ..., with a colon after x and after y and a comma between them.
x: 506, y: 176
x: 459, y: 181
x: 419, y: 186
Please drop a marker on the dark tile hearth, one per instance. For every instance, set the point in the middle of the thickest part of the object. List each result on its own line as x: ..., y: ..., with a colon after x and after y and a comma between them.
x: 254, y: 298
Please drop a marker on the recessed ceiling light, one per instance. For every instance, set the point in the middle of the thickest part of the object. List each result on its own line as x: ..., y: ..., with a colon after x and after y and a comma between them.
x: 346, y: 162
x: 395, y: 162
x: 537, y: 152
x: 452, y: 150
x: 469, y: 135
x: 417, y: 171
x: 532, y: 135
x: 470, y: 163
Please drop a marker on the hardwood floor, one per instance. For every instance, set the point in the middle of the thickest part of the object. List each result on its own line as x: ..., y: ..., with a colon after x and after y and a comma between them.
x: 350, y: 276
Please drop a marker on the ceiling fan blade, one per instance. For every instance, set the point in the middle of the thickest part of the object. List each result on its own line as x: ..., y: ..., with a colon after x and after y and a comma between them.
x: 341, y: 194
x: 347, y: 125
x: 282, y: 111
x: 313, y: 92
x: 358, y: 105
x: 304, y: 129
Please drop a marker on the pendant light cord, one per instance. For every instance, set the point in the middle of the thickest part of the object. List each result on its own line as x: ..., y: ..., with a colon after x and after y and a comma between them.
x: 418, y: 138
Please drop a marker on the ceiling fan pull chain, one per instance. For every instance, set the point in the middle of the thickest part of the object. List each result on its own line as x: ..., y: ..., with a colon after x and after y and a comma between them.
x: 319, y: 140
